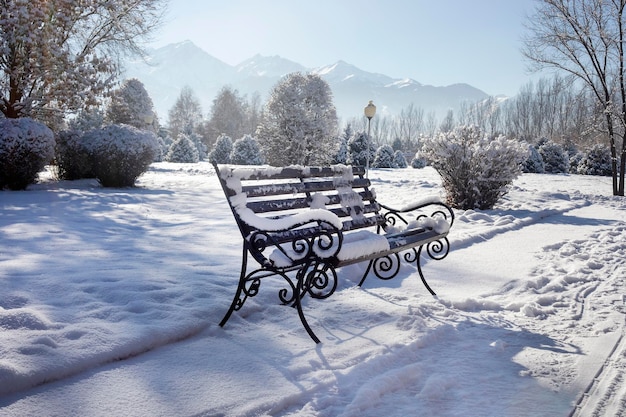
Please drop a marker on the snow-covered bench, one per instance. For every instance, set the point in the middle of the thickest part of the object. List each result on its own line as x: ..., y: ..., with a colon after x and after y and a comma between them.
x: 303, y: 223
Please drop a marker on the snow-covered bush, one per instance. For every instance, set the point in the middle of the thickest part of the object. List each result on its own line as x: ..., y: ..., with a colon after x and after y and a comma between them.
x: 399, y: 161
x: 555, y: 158
x: 534, y: 162
x: 341, y: 156
x: 200, y: 146
x: 26, y: 146
x: 183, y: 150
x: 357, y: 149
x: 596, y: 161
x: 418, y: 161
x: 246, y: 151
x: 475, y: 170
x: 120, y: 153
x: 383, y: 157
x: 72, y: 158
x: 222, y: 148
x: 574, y: 162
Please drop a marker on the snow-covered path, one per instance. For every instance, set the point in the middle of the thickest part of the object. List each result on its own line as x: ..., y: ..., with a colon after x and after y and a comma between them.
x: 530, y: 309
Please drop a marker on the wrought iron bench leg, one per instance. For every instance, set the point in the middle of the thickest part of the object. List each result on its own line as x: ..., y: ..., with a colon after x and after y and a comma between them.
x: 303, y: 277
x: 240, y: 294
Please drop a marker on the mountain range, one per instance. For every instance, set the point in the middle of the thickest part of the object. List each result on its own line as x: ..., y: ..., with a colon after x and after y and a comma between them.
x: 166, y: 70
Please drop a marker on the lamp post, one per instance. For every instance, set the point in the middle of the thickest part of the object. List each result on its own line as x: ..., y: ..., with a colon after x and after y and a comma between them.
x: 370, y: 111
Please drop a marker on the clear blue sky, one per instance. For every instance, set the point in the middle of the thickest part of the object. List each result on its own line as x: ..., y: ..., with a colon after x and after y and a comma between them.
x: 437, y: 42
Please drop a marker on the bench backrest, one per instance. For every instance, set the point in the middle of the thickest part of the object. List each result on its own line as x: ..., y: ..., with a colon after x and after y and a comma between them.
x: 274, y: 192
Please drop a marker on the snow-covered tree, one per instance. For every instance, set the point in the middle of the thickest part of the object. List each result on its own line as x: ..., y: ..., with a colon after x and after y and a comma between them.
x: 555, y: 158
x: 399, y: 161
x: 228, y: 115
x: 357, y: 149
x: 534, y: 162
x: 25, y: 147
x: 131, y: 105
x: 87, y: 119
x: 475, y: 170
x: 299, y: 123
x: 596, y: 161
x: 418, y: 161
x: 246, y: 151
x: 222, y: 148
x: 383, y: 157
x: 341, y: 156
x: 61, y: 55
x: 183, y: 150
x: 185, y: 116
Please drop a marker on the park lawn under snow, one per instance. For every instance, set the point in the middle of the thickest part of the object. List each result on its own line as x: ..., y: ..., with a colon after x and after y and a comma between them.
x: 111, y: 297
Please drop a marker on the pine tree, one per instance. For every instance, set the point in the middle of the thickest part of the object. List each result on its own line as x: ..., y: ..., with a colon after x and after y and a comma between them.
x: 555, y: 158
x: 399, y: 161
x: 183, y: 150
x: 357, y: 149
x: 246, y: 151
x: 131, y: 105
x: 534, y: 163
x: 222, y: 148
x: 341, y: 156
x: 383, y: 157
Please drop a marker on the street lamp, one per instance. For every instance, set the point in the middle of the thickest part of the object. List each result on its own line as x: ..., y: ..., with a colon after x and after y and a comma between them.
x: 370, y: 111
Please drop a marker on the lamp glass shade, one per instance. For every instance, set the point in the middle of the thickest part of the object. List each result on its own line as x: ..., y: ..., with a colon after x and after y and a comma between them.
x: 370, y: 110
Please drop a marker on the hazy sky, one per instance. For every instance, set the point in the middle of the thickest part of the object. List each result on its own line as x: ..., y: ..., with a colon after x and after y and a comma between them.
x: 437, y: 42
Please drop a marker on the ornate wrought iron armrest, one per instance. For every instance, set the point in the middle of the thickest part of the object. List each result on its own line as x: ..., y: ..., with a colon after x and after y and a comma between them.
x: 393, y: 215
x: 296, y: 243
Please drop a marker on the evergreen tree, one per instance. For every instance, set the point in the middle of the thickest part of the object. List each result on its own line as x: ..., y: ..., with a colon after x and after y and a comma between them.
x: 246, y: 151
x: 399, y: 161
x: 342, y: 152
x: 299, y: 123
x: 357, y: 149
x: 596, y: 161
x: 384, y: 157
x: 131, y: 105
x: 534, y: 162
x: 183, y: 150
x: 222, y: 148
x: 555, y: 158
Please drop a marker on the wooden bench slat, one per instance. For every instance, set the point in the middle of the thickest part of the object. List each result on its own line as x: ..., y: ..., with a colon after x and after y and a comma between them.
x: 272, y: 205
x: 299, y: 172
x: 264, y: 190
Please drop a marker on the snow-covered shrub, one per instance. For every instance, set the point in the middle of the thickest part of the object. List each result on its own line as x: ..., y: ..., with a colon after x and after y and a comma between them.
x: 418, y: 161
x: 183, y: 150
x: 72, y: 157
x: 246, y: 151
x: 222, y: 148
x: 555, y: 158
x: 357, y: 149
x: 574, y: 162
x: 534, y: 162
x: 596, y: 161
x: 200, y: 146
x: 26, y: 146
x: 399, y: 161
x: 475, y: 170
x: 120, y: 153
x: 341, y: 157
x: 383, y: 157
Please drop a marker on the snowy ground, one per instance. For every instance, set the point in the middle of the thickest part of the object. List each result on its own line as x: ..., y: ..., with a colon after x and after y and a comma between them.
x: 111, y: 297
